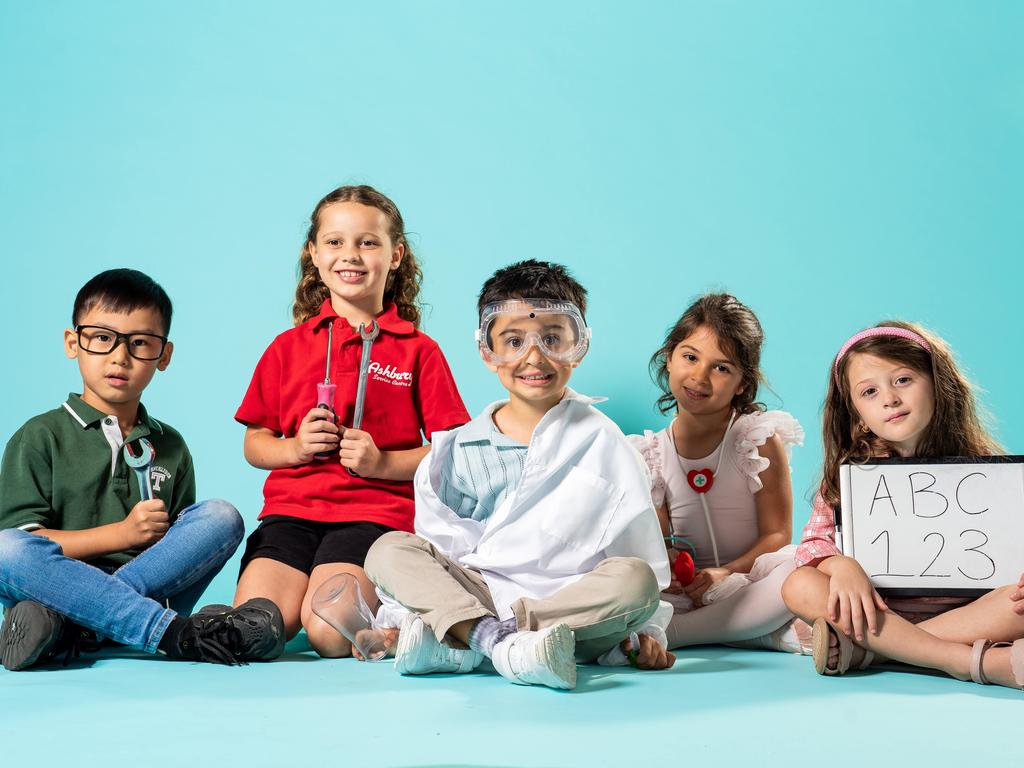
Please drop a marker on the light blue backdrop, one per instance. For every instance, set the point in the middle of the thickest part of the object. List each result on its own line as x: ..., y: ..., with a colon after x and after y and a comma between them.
x: 831, y: 164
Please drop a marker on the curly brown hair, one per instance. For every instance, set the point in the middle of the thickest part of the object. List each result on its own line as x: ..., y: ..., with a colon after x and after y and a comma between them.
x: 738, y: 331
x: 403, y: 285
x: 957, y: 427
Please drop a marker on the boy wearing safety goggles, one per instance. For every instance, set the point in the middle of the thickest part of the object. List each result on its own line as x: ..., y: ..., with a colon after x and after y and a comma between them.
x: 534, y: 524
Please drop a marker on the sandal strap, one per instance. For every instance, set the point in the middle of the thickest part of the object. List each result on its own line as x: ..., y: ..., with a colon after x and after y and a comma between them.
x: 845, y: 651
x: 977, y: 653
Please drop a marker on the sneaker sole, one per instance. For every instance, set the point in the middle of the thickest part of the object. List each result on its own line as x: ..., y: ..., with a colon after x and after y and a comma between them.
x: 410, y: 647
x: 556, y: 658
x: 22, y: 649
x: 413, y: 654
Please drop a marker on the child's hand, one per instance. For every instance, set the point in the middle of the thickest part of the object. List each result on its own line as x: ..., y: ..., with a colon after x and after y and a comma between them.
x: 146, y: 524
x: 650, y: 655
x: 359, y: 453
x: 1017, y: 596
x: 703, y: 581
x: 390, y: 641
x: 852, y: 601
x: 317, y: 434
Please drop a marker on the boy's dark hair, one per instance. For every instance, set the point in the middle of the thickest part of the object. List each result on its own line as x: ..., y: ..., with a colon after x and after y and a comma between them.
x: 123, y: 290
x: 532, y: 279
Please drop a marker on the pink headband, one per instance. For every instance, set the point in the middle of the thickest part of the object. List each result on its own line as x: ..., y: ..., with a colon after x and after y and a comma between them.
x: 882, y: 330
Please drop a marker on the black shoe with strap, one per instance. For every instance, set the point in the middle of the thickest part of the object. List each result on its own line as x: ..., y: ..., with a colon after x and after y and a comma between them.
x: 254, y: 631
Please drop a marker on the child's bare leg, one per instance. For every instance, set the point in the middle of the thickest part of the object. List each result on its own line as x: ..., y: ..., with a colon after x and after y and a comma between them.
x: 806, y: 593
x: 991, y: 617
x: 280, y: 583
x: 325, y: 639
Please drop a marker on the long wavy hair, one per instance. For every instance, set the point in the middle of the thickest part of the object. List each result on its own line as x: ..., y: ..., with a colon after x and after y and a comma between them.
x: 403, y: 284
x: 740, y: 334
x: 958, y: 425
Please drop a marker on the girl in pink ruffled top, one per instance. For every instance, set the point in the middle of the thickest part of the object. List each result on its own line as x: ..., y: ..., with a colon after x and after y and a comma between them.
x: 721, y: 484
x: 895, y: 390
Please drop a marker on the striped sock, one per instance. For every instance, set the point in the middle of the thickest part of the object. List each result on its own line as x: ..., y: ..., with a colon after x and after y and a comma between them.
x: 488, y: 632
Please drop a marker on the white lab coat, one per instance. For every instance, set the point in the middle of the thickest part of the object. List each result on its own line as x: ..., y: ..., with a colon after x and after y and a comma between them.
x: 584, y: 496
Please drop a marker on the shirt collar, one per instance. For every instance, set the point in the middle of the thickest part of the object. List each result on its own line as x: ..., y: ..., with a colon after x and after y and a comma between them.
x: 482, y: 428
x: 388, y: 320
x: 87, y: 416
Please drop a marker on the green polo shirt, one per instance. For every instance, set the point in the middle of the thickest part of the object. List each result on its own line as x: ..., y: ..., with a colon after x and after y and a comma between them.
x: 65, y: 470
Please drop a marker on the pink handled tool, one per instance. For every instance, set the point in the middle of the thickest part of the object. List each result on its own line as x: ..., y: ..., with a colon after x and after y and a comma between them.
x: 325, y: 391
x: 367, y: 335
x: 139, y: 455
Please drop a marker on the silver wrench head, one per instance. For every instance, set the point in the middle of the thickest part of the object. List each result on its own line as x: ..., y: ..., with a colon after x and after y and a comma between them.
x: 371, y: 334
x: 139, y: 454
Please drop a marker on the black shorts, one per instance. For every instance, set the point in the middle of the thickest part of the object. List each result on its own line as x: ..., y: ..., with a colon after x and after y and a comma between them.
x: 305, y: 544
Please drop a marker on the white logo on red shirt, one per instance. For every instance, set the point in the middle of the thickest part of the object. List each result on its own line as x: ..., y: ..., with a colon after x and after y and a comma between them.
x: 390, y: 375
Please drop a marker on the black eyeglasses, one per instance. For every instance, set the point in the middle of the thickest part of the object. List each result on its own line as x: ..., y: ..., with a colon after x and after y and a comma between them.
x: 102, y: 341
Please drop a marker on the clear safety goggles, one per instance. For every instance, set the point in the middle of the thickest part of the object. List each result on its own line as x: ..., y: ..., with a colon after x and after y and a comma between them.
x: 509, y: 328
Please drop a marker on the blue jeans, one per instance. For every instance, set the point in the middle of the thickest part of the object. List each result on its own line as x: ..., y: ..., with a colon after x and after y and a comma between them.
x: 124, y: 605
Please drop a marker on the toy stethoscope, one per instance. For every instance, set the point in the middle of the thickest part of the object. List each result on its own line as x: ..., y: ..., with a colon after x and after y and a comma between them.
x: 701, y: 481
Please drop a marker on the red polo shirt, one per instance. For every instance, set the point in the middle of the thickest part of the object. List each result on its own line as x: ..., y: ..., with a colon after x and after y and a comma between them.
x: 410, y: 394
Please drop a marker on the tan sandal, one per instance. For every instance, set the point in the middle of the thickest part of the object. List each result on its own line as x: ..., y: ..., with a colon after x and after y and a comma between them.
x: 820, y: 633
x: 1016, y: 661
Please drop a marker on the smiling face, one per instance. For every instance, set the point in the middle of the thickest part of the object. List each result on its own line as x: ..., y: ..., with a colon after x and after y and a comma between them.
x: 354, y: 255
x: 703, y: 378
x: 534, y: 377
x: 115, y: 381
x: 892, y: 400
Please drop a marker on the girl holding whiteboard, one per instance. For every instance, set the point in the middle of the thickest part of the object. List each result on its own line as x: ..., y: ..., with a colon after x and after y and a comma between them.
x: 720, y: 482
x: 895, y: 390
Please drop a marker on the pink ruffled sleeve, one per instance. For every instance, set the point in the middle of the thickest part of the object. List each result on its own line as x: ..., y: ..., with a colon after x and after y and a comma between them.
x: 647, y: 445
x: 752, y: 431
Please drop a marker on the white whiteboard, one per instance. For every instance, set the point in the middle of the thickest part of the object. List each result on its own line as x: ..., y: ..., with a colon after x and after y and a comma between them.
x: 949, y: 526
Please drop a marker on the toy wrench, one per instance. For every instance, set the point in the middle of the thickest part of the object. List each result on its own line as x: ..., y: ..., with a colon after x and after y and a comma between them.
x: 367, y: 335
x: 364, y: 370
x: 139, y: 455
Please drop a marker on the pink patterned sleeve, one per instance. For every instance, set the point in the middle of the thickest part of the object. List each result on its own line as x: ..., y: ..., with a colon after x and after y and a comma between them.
x: 819, y: 537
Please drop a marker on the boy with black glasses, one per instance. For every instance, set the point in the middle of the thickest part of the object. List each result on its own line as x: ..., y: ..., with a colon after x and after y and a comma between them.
x: 88, y: 543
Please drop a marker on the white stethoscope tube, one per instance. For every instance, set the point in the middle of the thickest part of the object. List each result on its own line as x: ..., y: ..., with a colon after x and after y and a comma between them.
x: 703, y: 496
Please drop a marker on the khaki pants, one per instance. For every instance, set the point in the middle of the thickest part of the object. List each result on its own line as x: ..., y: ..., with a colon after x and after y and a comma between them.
x: 602, y: 607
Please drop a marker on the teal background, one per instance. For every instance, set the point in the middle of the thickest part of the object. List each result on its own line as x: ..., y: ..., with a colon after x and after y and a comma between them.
x: 832, y: 164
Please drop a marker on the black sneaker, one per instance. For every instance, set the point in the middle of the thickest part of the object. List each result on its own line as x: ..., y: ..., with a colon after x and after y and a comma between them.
x: 254, y: 631
x: 33, y: 634
x: 30, y: 633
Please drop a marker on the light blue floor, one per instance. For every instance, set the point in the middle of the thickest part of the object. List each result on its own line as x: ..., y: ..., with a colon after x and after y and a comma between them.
x: 716, y: 707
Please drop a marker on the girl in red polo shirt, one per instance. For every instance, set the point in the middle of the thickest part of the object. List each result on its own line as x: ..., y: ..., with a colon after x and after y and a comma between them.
x: 320, y: 515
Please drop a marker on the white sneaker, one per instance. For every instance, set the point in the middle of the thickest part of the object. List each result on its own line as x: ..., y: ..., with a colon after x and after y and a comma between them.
x: 419, y: 653
x: 545, y: 657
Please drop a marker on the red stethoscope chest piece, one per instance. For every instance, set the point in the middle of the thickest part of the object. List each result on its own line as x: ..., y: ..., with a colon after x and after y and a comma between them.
x: 700, y: 480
